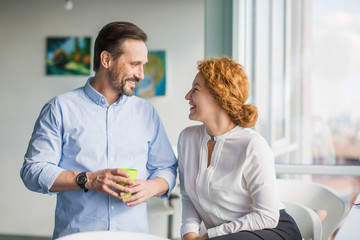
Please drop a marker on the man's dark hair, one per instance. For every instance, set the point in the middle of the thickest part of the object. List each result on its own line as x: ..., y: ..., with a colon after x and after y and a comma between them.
x: 111, y: 38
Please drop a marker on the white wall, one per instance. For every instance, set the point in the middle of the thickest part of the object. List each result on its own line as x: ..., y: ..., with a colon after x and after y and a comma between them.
x: 176, y: 26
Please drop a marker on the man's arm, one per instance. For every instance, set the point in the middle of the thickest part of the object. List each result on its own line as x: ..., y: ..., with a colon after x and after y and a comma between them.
x: 162, y: 163
x: 40, y: 167
x: 160, y: 185
x: 161, y: 166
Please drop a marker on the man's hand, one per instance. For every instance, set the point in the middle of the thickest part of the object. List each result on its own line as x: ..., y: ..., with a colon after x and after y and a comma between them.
x: 100, y: 181
x: 107, y: 181
x: 143, y: 190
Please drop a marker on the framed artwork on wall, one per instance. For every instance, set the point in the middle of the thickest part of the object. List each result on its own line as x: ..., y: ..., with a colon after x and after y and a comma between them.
x: 154, y: 82
x: 68, y: 56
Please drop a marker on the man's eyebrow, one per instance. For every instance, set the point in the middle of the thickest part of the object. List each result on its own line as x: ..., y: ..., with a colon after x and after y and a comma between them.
x: 139, y: 62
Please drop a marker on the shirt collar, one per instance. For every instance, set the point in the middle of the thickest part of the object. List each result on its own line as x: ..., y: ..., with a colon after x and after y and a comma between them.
x: 97, y: 97
x: 220, y: 137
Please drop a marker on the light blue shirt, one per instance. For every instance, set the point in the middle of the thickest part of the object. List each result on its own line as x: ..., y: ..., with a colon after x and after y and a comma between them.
x: 79, y: 131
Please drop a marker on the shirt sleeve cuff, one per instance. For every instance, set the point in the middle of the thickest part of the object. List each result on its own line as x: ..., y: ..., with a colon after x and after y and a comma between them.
x: 48, y: 177
x: 190, y: 227
x: 169, y: 177
x: 212, y: 232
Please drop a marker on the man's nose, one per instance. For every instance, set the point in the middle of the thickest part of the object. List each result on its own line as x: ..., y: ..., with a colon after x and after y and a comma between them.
x: 140, y: 73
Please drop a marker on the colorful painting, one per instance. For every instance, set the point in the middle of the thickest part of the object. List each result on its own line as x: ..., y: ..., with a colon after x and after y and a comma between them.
x: 68, y: 56
x: 154, y: 82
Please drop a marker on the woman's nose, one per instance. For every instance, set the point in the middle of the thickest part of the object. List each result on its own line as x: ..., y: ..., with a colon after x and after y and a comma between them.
x: 188, y: 95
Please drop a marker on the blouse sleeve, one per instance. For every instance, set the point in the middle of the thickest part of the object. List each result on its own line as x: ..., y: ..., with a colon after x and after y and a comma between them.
x: 259, y: 176
x: 190, y: 218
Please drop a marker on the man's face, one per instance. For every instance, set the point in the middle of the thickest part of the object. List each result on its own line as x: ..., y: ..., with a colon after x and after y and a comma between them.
x: 124, y: 72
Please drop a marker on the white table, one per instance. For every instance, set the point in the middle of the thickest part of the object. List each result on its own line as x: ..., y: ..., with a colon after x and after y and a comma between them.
x: 350, y: 229
x: 110, y: 235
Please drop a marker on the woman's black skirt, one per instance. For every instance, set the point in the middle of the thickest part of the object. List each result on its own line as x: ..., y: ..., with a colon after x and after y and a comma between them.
x: 285, y: 230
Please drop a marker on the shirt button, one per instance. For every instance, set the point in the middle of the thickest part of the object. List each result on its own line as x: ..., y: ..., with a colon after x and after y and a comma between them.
x: 112, y: 207
x: 111, y: 158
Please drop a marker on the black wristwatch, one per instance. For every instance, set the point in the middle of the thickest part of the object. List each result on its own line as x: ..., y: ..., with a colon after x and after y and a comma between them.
x: 81, y: 179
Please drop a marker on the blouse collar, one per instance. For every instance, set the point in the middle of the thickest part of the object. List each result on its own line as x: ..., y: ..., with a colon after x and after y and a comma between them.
x: 220, y: 137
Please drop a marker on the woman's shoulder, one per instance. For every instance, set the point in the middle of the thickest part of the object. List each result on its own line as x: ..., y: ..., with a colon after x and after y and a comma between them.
x: 251, y: 136
x: 196, y: 129
x: 256, y: 142
x: 191, y: 131
x: 246, y: 133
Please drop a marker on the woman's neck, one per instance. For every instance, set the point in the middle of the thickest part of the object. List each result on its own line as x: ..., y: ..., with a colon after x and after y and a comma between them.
x: 219, y: 126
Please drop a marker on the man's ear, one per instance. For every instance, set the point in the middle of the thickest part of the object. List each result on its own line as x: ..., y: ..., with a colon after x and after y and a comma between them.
x: 105, y: 58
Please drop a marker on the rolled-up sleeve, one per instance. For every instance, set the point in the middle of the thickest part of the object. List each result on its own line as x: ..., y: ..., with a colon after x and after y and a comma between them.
x: 40, y: 169
x: 161, y: 160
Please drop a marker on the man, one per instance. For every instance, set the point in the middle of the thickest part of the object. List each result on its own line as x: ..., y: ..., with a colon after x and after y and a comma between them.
x: 82, y: 137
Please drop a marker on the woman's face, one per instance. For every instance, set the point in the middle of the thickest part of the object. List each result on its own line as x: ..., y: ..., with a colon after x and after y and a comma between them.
x: 203, y: 106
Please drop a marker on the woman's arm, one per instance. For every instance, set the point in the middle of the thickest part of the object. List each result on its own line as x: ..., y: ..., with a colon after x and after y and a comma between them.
x: 190, y: 217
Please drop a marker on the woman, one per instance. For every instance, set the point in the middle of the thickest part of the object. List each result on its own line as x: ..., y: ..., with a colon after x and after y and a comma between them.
x: 227, y: 171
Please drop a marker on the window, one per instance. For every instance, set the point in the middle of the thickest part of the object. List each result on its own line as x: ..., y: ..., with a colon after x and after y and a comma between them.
x: 301, y: 58
x: 335, y: 74
x: 266, y: 43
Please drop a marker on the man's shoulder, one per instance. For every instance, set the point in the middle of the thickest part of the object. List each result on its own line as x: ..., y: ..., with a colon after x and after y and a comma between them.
x: 65, y: 98
x: 70, y: 94
x: 138, y: 100
x: 142, y: 105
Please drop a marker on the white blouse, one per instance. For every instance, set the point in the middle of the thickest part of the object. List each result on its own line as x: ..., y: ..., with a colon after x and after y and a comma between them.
x: 236, y: 192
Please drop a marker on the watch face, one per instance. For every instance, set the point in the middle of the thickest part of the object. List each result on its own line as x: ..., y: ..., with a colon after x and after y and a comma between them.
x: 81, y: 179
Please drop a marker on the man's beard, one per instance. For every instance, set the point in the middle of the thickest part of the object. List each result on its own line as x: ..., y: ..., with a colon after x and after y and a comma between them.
x: 121, y: 87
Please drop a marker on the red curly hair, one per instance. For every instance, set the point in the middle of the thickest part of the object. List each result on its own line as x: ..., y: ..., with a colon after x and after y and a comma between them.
x: 228, y: 83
